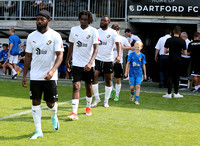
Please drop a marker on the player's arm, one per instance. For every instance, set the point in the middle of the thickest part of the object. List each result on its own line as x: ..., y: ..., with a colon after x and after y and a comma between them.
x: 27, y: 63
x: 156, y: 55
x: 144, y: 70
x: 166, y: 50
x: 57, y: 63
x: 118, y: 46
x: 127, y: 69
x: 94, y: 54
x: 10, y: 48
x: 69, y: 56
x: 20, y: 45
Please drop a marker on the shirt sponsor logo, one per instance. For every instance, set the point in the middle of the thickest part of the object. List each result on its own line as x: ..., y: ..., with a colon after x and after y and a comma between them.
x: 102, y: 43
x: 136, y: 64
x: 88, y: 36
x: 80, y: 44
x: 39, y: 51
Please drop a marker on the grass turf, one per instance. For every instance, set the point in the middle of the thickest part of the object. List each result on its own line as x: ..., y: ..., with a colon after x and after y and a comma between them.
x: 156, y: 121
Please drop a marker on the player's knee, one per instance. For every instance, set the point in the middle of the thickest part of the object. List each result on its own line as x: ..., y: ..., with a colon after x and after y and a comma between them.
x: 76, y: 87
x: 36, y: 102
x: 50, y: 104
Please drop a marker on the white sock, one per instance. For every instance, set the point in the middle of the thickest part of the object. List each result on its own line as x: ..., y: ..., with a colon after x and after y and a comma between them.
x: 108, y: 90
x: 118, y: 89
x: 37, y: 113
x: 196, y: 87
x: 95, y: 88
x: 88, y: 101
x: 75, y: 103
x: 54, y: 110
x: 14, y: 72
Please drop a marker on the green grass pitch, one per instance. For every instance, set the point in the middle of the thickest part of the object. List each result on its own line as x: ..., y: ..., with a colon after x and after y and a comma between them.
x: 156, y: 121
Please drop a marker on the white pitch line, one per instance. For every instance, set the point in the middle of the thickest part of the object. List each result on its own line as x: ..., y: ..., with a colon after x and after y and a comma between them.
x: 45, y: 107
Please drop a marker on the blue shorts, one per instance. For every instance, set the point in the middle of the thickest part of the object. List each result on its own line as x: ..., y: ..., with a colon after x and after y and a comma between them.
x: 135, y: 81
x: 21, y: 65
x: 62, y: 68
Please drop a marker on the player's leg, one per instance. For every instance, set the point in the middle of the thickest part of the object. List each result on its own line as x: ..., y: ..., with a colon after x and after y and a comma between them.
x: 10, y: 64
x: 132, y: 85
x: 77, y: 77
x: 118, y: 75
x: 89, y: 77
x: 4, y: 69
x: 170, y: 75
x: 51, y: 96
x: 137, y: 94
x: 176, y: 76
x: 35, y: 95
x: 108, y: 88
x: 95, y: 86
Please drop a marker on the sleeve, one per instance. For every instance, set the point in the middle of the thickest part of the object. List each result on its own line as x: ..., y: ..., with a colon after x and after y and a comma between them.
x: 115, y: 36
x: 58, y: 43
x: 143, y: 60
x: 129, y: 57
x: 96, y: 39
x: 71, y: 38
x: 157, y: 47
x: 137, y: 38
x: 28, y: 45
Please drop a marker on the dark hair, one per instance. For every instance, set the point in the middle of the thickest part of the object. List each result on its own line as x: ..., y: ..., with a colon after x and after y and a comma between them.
x: 177, y: 29
x: 196, y: 34
x: 115, y: 27
x: 127, y: 30
x: 167, y: 31
x: 44, y: 13
x: 5, y: 45
x: 87, y: 13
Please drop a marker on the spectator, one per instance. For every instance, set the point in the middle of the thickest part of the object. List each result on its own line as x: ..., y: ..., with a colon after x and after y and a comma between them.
x: 163, y: 58
x: 20, y: 65
x: 10, y: 7
x: 4, y: 55
x: 194, y: 51
x: 14, y: 45
x: 47, y: 5
x: 175, y: 45
x: 35, y: 7
x: 185, y: 58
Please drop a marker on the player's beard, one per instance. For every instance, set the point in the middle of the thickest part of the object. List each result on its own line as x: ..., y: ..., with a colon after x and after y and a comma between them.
x: 104, y: 26
x: 41, y: 28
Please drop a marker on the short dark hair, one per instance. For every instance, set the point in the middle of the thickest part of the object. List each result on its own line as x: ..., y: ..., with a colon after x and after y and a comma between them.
x: 87, y: 13
x: 196, y: 34
x: 6, y: 45
x: 177, y: 29
x: 127, y: 30
x: 12, y: 29
x: 106, y: 16
x: 115, y: 27
x: 44, y: 13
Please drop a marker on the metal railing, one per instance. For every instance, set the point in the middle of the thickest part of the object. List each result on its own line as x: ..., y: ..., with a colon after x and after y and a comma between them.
x: 62, y: 9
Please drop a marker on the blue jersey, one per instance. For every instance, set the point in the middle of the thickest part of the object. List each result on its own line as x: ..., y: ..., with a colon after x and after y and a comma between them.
x: 16, y: 41
x: 136, y: 62
x: 4, y: 55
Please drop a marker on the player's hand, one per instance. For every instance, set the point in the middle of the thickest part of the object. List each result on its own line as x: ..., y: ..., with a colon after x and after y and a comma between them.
x: 125, y: 74
x: 49, y: 75
x: 68, y: 67
x: 88, y: 67
x: 145, y: 77
x: 156, y: 58
x: 117, y: 59
x: 24, y: 82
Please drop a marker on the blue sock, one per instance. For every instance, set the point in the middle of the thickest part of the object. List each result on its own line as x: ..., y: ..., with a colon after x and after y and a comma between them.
x: 136, y: 98
x: 133, y: 93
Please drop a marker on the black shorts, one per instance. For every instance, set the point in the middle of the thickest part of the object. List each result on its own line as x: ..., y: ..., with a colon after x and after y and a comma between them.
x: 79, y: 74
x: 118, y: 70
x: 49, y: 88
x: 106, y: 67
